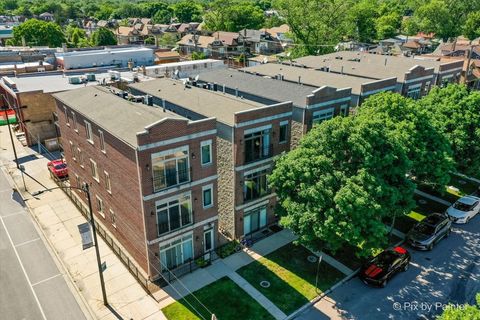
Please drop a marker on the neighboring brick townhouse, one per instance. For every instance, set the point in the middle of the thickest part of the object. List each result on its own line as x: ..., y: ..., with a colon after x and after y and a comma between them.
x: 361, y: 88
x: 310, y: 104
x: 249, y: 136
x: 415, y: 76
x: 152, y: 174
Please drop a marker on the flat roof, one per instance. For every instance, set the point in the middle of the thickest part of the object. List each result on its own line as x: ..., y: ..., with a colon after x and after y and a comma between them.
x: 208, y: 103
x: 103, y: 51
x: 279, y: 91
x: 119, y: 117
x: 183, y: 63
x: 59, y: 82
x: 310, y: 77
x: 372, y: 66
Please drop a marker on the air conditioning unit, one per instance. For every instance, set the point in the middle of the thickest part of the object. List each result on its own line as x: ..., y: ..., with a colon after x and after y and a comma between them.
x: 74, y: 80
x: 90, y: 76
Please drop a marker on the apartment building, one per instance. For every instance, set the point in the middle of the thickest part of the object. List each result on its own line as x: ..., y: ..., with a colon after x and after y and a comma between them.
x: 415, y: 76
x: 152, y: 175
x: 361, y: 87
x: 311, y: 104
x: 249, y: 136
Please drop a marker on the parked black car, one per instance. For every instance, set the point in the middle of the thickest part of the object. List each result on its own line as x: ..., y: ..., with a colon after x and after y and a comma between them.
x: 379, y: 270
x: 425, y: 234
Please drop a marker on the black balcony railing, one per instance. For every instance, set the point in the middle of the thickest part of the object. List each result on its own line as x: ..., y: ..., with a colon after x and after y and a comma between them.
x: 258, y: 153
x: 168, y: 179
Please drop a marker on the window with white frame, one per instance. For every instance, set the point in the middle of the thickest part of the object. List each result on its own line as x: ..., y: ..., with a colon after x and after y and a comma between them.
x: 80, y: 157
x: 88, y: 131
x: 283, y: 134
x: 113, y: 218
x: 176, y: 253
x: 323, y: 115
x: 74, y: 121
x: 207, y: 196
x: 170, y: 168
x: 67, y: 120
x: 414, y: 91
x: 102, y: 140
x: 94, y: 169
x: 344, y: 110
x: 108, y: 184
x: 72, y: 149
x: 100, y: 207
x: 206, y: 152
x: 174, y: 214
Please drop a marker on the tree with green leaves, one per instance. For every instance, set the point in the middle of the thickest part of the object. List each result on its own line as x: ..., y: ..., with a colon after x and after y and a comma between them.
x: 388, y: 24
x: 435, y: 16
x: 198, y: 55
x: 163, y: 15
x: 316, y: 25
x: 426, y: 146
x: 188, y: 11
x: 38, y: 33
x: 471, y: 29
x: 456, y: 114
x: 103, y: 37
x: 362, y: 17
x: 467, y: 312
x: 168, y: 39
x: 346, y: 177
x: 233, y: 15
x: 76, y: 37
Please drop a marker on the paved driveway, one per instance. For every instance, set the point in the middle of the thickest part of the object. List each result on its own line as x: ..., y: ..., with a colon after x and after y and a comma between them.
x: 449, y: 273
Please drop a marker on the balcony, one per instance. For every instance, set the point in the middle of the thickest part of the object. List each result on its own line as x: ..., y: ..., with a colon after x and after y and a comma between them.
x: 258, y: 153
x: 169, y: 179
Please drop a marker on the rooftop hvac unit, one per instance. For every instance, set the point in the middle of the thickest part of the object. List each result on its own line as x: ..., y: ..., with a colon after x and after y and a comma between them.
x: 90, y: 76
x: 74, y: 80
x: 114, y: 75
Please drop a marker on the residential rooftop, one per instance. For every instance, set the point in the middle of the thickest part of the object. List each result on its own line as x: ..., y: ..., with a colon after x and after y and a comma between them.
x: 119, y: 117
x: 274, y: 90
x: 367, y: 65
x: 309, y: 76
x: 106, y: 51
x: 203, y: 102
x: 49, y: 83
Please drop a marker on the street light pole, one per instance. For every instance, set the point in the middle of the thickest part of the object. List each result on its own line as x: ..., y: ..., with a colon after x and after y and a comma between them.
x: 97, y: 251
x: 86, y: 189
x: 11, y: 137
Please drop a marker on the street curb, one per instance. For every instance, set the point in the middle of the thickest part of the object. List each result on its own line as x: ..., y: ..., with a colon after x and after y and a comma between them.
x: 58, y: 260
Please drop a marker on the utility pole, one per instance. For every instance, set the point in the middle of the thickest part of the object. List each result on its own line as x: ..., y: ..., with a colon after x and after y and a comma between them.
x: 11, y: 136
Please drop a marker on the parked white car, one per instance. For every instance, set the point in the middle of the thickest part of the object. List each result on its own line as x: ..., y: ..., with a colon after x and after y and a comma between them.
x: 464, y: 209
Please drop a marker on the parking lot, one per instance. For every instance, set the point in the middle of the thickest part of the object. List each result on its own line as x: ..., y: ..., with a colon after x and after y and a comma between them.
x: 448, y: 273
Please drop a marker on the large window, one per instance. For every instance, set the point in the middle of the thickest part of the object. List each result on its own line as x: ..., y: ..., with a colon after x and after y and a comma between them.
x: 254, y: 220
x: 88, y: 131
x: 344, y: 110
x: 108, y: 183
x: 283, y: 135
x: 257, y: 145
x: 174, y: 214
x: 170, y: 168
x: 176, y: 253
x: 100, y: 208
x: 94, y: 169
x: 206, y: 148
x: 323, y: 115
x: 102, y: 140
x: 255, y: 185
x: 207, y: 196
x: 414, y: 91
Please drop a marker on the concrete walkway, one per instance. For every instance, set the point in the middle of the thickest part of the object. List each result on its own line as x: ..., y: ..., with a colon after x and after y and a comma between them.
x: 58, y: 219
x: 433, y: 198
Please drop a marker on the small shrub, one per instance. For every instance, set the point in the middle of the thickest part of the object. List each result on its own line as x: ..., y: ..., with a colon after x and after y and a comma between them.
x: 227, y: 249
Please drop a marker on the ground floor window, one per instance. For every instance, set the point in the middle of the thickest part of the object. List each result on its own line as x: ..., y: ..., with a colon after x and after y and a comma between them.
x: 176, y: 253
x: 254, y: 220
x: 414, y: 92
x: 323, y: 115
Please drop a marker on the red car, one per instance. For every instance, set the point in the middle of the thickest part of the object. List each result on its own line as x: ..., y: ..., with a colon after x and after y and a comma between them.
x: 58, y: 168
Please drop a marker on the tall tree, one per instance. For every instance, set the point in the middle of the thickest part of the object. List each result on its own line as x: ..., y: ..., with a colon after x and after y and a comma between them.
x: 103, y: 37
x: 233, y: 15
x: 471, y: 29
x: 426, y: 146
x: 456, y: 113
x: 387, y: 25
x: 188, y: 11
x: 435, y: 16
x: 362, y: 17
x: 38, y: 33
x: 316, y: 25
x: 344, y: 179
x: 467, y: 311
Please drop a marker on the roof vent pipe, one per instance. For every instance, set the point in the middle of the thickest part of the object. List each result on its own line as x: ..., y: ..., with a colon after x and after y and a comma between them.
x: 223, y: 88
x: 299, y: 79
x: 163, y: 105
x: 385, y: 61
x: 236, y: 92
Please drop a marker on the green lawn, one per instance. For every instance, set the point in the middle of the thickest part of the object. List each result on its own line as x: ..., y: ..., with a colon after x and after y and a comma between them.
x: 291, y: 277
x: 224, y: 298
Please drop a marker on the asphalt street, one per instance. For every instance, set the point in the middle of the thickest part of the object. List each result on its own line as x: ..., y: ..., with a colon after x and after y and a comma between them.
x: 448, y: 273
x: 32, y: 286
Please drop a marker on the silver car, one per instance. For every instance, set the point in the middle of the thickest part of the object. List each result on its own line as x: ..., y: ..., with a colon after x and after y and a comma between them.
x: 464, y: 209
x: 425, y: 234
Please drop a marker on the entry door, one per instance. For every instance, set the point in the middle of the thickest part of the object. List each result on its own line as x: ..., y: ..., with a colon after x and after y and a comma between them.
x: 208, y: 240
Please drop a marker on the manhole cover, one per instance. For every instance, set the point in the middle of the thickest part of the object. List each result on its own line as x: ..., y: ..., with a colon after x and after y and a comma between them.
x: 264, y: 284
x: 421, y: 201
x: 462, y: 181
x: 312, y: 259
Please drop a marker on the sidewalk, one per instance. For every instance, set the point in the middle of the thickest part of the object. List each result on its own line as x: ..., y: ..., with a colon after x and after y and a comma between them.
x: 58, y: 219
x: 429, y: 196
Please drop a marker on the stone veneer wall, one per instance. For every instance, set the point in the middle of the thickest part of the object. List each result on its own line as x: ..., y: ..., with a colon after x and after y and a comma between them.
x: 225, y: 169
x: 297, y: 134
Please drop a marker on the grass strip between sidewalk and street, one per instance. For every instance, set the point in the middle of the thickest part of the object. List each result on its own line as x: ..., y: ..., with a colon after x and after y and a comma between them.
x: 291, y: 277
x: 224, y: 298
